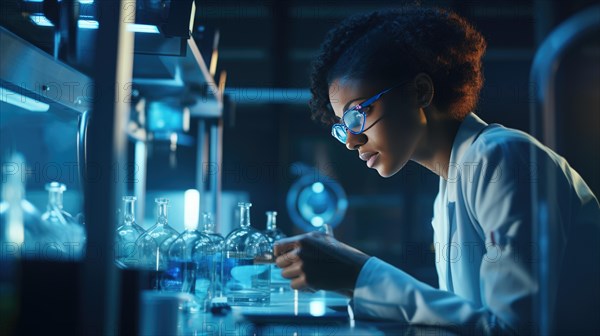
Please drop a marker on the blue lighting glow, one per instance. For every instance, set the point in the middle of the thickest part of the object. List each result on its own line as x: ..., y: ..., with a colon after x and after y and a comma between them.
x: 142, y: 28
x: 88, y: 24
x: 316, y: 308
x: 42, y: 21
x: 318, y: 187
x: 21, y: 101
x: 317, y: 221
x: 191, y: 209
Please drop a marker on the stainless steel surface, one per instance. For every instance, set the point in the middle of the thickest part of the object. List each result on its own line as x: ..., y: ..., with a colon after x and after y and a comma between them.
x: 32, y: 72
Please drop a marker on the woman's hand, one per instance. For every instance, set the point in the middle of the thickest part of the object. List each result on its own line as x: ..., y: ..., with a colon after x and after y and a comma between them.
x: 318, y: 261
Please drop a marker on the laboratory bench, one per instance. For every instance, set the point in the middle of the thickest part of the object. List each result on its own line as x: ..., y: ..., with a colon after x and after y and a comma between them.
x: 290, y: 312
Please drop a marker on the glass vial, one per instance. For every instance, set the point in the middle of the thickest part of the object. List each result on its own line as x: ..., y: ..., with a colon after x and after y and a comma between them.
x: 127, y: 234
x: 246, y: 269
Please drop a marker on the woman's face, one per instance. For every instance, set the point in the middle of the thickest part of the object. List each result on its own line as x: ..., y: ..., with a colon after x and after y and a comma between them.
x: 398, y: 126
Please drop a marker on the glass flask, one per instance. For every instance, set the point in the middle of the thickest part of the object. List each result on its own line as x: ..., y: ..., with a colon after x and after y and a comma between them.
x: 273, y: 234
x: 67, y: 235
x: 246, y: 269
x: 181, y: 269
x: 127, y: 234
x: 215, y: 258
x: 153, y: 245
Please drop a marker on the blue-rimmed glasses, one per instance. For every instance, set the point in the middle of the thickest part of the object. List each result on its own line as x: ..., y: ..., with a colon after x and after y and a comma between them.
x: 354, y: 118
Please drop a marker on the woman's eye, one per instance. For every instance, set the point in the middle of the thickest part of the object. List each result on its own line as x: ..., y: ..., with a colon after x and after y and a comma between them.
x: 366, y: 110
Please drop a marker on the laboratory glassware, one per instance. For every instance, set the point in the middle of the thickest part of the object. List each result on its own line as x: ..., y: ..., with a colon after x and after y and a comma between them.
x: 212, y: 254
x: 273, y: 234
x: 127, y: 234
x: 67, y: 236
x: 247, y: 255
x: 153, y: 245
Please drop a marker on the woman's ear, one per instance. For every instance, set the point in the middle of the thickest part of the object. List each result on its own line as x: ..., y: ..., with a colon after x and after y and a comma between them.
x: 424, y: 88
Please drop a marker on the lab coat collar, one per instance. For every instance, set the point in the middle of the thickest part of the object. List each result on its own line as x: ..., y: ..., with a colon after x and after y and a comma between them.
x: 469, y: 129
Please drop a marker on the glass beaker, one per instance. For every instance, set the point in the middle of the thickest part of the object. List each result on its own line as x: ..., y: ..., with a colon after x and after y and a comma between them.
x: 127, y: 234
x: 247, y: 255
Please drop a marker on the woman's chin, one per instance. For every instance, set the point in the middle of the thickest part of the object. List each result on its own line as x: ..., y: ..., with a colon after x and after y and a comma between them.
x: 385, y: 171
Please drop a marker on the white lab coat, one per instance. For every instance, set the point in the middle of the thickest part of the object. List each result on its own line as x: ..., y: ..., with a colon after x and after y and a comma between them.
x: 482, y: 237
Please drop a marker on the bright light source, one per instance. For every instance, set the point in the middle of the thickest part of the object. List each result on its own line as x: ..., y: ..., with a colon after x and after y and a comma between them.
x: 41, y: 20
x: 21, y: 101
x: 316, y: 308
x: 142, y: 28
x: 318, y: 187
x: 88, y: 24
x: 317, y: 221
x: 191, y: 211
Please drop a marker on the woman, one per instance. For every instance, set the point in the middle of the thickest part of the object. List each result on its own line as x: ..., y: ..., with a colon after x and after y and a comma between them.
x: 400, y: 85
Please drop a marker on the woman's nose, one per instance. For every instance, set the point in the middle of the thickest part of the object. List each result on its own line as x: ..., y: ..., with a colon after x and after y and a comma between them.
x: 353, y: 141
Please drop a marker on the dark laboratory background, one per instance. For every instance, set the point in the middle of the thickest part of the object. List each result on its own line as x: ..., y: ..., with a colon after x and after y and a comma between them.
x: 266, y: 48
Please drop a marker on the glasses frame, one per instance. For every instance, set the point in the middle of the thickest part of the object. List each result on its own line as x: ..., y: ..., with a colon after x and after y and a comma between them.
x: 360, y: 108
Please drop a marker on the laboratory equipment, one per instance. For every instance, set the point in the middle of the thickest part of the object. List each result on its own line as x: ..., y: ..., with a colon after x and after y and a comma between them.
x: 64, y: 233
x: 247, y: 255
x: 272, y: 232
x: 186, y: 270
x: 217, y: 257
x: 315, y: 199
x: 127, y: 234
x: 153, y: 245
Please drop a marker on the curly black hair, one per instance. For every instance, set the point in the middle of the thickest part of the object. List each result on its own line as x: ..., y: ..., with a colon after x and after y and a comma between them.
x: 393, y: 44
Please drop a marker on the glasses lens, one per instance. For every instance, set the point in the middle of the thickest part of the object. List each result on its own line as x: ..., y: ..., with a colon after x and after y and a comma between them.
x: 354, y: 120
x: 339, y: 133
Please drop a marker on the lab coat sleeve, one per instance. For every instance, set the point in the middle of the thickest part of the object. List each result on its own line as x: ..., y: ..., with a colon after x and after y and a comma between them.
x: 386, y: 292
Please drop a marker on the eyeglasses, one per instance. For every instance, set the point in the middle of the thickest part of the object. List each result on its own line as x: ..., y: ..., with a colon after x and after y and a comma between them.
x: 354, y: 118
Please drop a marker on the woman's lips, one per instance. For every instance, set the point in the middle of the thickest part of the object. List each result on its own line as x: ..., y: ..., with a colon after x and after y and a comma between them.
x: 372, y: 160
x: 370, y: 157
